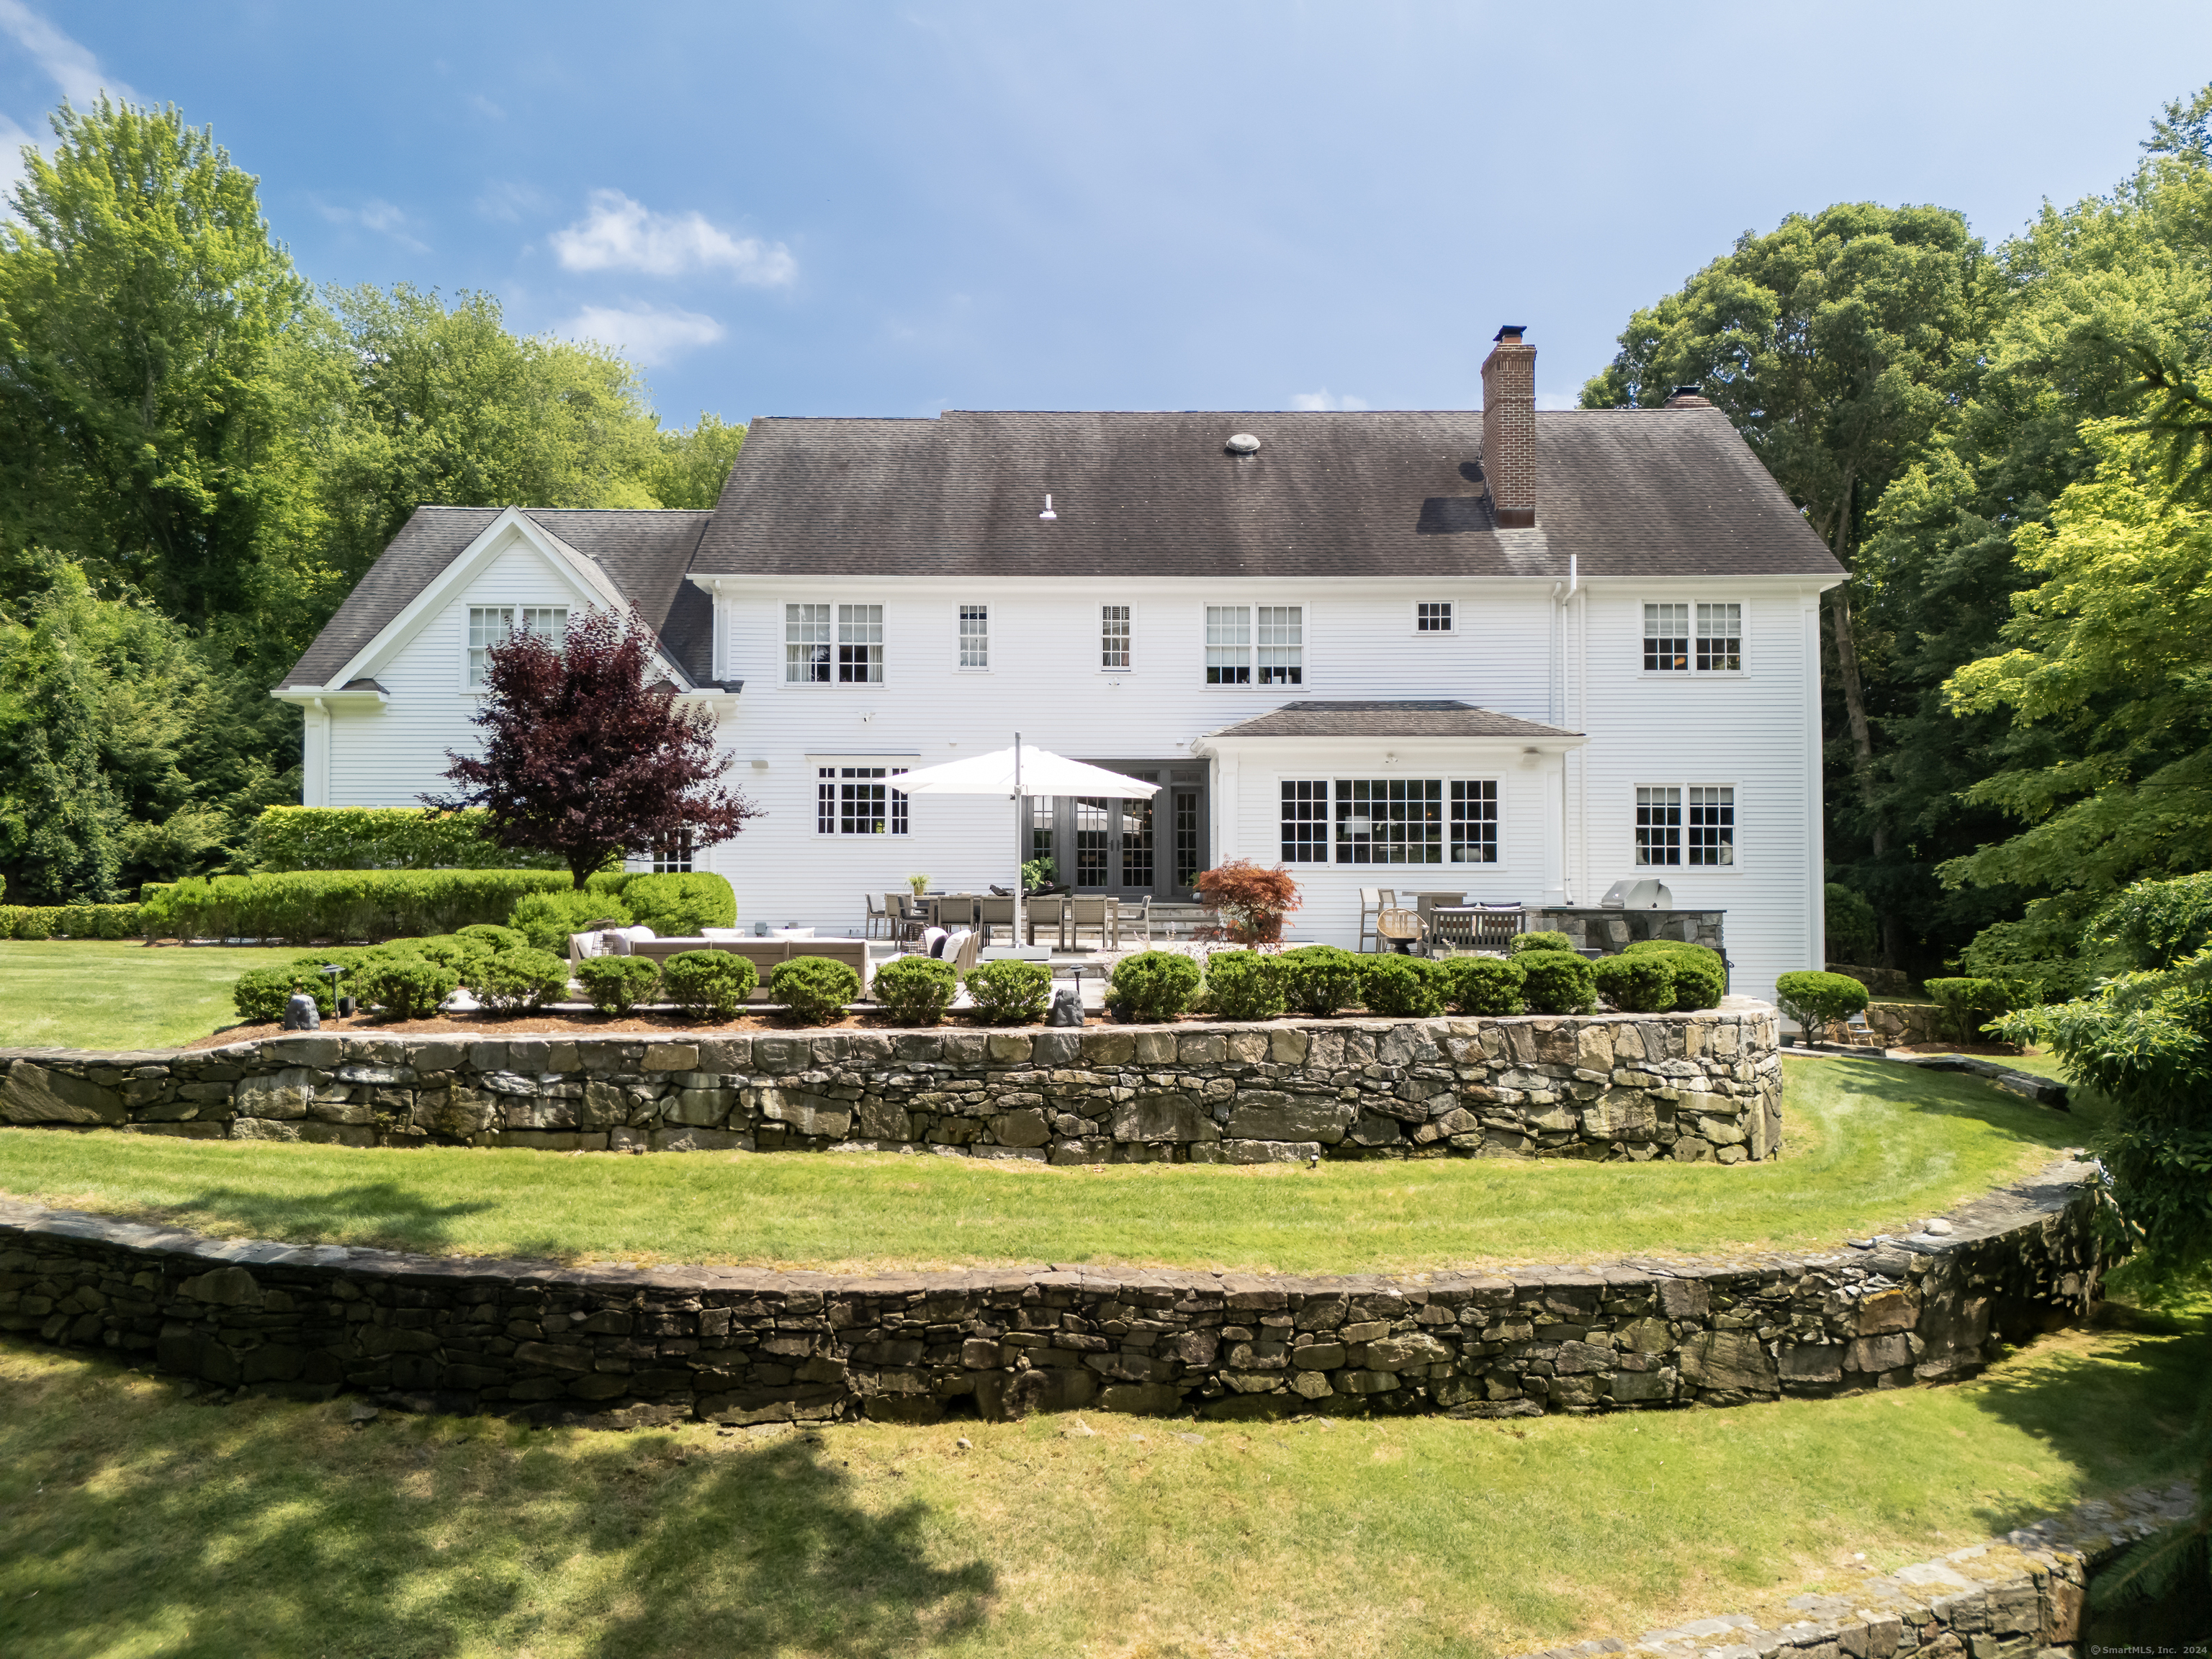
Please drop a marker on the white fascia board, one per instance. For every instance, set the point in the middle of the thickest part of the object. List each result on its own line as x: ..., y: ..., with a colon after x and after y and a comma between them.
x: 311, y: 696
x: 1414, y: 748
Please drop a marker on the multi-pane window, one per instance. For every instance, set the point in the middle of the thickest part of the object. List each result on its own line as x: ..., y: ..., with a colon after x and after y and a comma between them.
x: 1658, y: 825
x: 1474, y: 821
x: 493, y: 624
x: 1282, y: 645
x: 1231, y: 631
x: 1712, y: 825
x: 1229, y: 644
x: 1094, y: 825
x: 1389, y: 821
x: 1305, y: 820
x: 806, y: 643
x: 1665, y: 637
x: 1433, y: 616
x: 1041, y: 827
x: 671, y: 855
x: 975, y: 636
x: 1186, y: 837
x: 859, y: 644
x: 1136, y: 843
x: 855, y: 800
x: 1113, y: 636
x: 1720, y: 638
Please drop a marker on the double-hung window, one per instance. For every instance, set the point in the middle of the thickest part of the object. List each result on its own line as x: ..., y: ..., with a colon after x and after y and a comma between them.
x: 672, y: 854
x: 844, y: 643
x: 859, y: 644
x: 495, y: 624
x: 807, y: 644
x: 1255, y: 644
x: 1389, y: 821
x: 1680, y: 824
x: 859, y: 801
x: 975, y: 636
x: 1720, y: 639
x: 1702, y: 638
x: 1114, y: 636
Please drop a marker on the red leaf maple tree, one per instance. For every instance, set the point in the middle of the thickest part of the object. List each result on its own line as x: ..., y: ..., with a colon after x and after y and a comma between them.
x: 584, y: 759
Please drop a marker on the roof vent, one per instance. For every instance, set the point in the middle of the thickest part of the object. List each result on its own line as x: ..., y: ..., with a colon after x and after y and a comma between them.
x: 1048, y: 514
x: 1242, y: 443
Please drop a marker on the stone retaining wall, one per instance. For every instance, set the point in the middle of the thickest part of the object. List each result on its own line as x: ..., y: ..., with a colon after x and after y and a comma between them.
x: 1691, y: 1087
x: 616, y: 1344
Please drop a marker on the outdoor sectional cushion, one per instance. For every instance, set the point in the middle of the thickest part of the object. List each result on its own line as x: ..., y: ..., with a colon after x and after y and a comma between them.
x: 721, y: 935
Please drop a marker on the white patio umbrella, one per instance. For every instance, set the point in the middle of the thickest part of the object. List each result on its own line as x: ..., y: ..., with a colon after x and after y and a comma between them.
x: 1021, y: 773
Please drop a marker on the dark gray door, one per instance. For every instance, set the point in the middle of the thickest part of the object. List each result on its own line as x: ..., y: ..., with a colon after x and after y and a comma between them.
x: 1129, y: 849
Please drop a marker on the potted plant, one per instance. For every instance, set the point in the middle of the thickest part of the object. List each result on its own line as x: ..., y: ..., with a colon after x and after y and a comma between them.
x: 919, y: 884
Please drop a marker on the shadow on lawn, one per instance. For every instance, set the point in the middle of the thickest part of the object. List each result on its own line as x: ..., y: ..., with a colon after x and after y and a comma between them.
x: 1953, y: 1094
x: 382, y: 1215
x: 270, y: 1528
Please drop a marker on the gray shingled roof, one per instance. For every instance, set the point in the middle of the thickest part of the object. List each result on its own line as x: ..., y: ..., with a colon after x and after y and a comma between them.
x: 1426, y: 718
x: 644, y: 551
x: 1627, y: 492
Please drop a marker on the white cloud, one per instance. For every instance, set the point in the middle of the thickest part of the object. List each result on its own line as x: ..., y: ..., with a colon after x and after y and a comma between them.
x: 620, y: 234
x: 380, y: 216
x: 12, y: 140
x: 1324, y: 400
x: 644, y: 334
x: 68, y: 64
x: 505, y: 202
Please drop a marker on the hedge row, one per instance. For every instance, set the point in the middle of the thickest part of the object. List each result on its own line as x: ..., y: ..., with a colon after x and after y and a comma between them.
x: 299, y: 906
x: 69, y: 921
x: 289, y: 838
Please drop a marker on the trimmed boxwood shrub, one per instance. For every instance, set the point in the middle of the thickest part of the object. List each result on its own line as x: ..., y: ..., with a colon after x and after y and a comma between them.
x: 382, y: 838
x: 813, y: 990
x: 1320, y: 979
x: 1701, y: 977
x: 1814, y: 999
x: 1483, y: 985
x: 680, y: 905
x: 1009, y: 993
x: 1969, y: 1002
x: 519, y: 981
x: 405, y: 985
x: 34, y: 921
x: 546, y: 920
x: 447, y: 950
x: 712, y: 982
x: 1556, y: 981
x: 1404, y: 987
x: 1152, y: 985
x: 1636, y: 984
x: 305, y: 905
x: 261, y: 993
x: 1541, y: 942
x: 614, y: 985
x: 1245, y: 984
x: 493, y: 938
x: 915, y: 990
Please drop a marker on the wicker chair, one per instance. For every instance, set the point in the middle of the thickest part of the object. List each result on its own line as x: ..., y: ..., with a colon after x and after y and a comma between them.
x: 1400, y: 930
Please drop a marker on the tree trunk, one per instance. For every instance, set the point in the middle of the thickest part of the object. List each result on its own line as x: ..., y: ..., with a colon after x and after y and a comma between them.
x: 1847, y: 671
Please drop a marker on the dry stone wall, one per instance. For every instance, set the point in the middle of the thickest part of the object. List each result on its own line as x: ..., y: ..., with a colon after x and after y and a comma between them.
x: 1690, y: 1087
x: 735, y: 1345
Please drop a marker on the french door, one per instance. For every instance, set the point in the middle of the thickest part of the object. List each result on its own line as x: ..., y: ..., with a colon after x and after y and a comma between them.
x: 1129, y: 849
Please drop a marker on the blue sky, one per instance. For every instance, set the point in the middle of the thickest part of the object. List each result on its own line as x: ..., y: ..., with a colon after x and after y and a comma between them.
x: 889, y: 210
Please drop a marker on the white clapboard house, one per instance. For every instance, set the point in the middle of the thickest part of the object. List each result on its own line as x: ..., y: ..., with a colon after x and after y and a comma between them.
x: 1521, y: 655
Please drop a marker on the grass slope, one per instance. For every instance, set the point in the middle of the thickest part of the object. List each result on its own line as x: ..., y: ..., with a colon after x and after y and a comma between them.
x: 95, y: 994
x: 135, y: 1523
x: 1870, y: 1148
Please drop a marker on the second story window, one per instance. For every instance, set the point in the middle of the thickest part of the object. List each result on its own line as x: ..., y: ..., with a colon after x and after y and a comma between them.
x: 1228, y: 645
x: 1720, y: 638
x: 1433, y: 616
x: 1665, y: 637
x: 975, y: 636
x: 494, y: 625
x: 806, y: 643
x: 1282, y: 645
x: 1699, y: 638
x: 860, y: 644
x: 1114, y: 636
x: 1230, y: 649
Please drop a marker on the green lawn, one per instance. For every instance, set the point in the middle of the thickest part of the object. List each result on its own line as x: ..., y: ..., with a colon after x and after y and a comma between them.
x: 135, y: 1523
x: 1870, y: 1147
x: 67, y: 993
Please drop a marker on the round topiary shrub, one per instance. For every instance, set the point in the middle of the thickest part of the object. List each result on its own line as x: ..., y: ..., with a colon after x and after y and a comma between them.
x: 1246, y: 985
x: 546, y: 920
x: 1009, y: 993
x: 1970, y: 1002
x: 1636, y: 984
x: 404, y: 984
x: 1814, y: 998
x: 518, y: 982
x: 1483, y: 985
x: 1319, y: 979
x: 1152, y: 985
x: 915, y: 990
x: 1700, y: 976
x: 447, y: 950
x: 1404, y: 987
x: 614, y: 985
x: 1556, y: 981
x: 260, y: 993
x: 716, y: 983
x: 1541, y: 942
x: 493, y: 939
x: 813, y: 990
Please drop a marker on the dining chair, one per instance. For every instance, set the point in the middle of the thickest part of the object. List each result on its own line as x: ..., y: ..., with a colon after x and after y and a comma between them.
x: 1373, y: 901
x: 1049, y: 911
x: 995, y: 913
x: 879, y: 916
x: 1085, y: 911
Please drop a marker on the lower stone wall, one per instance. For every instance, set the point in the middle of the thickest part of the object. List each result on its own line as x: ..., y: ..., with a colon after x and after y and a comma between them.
x: 619, y: 1345
x: 1691, y: 1087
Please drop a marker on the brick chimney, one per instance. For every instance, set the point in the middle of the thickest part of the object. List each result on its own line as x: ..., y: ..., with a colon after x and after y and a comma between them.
x: 1687, y: 396
x: 1509, y: 428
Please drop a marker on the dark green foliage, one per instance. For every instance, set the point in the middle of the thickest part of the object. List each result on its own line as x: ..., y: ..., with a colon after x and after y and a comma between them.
x: 379, y: 838
x: 1814, y: 999
x: 1245, y: 984
x: 1403, y: 988
x: 519, y: 981
x: 1541, y: 942
x: 1010, y: 993
x: 1853, y: 929
x: 404, y: 985
x: 69, y: 922
x: 261, y: 993
x: 336, y: 905
x: 915, y: 990
x: 547, y: 919
x: 1700, y: 976
x: 1320, y: 979
x: 447, y: 951
x: 813, y: 990
x: 1636, y: 984
x: 490, y: 936
x: 2037, y: 958
x: 614, y: 985
x: 1484, y: 985
x: 1558, y: 981
x: 677, y: 905
x: 717, y: 982
x: 1153, y: 985
x: 1969, y: 1003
